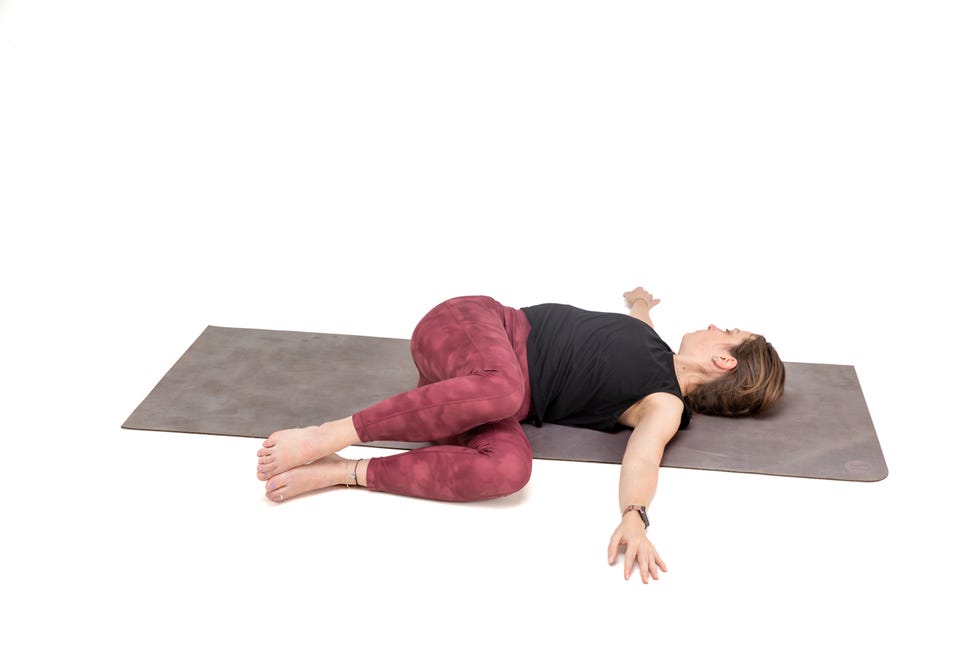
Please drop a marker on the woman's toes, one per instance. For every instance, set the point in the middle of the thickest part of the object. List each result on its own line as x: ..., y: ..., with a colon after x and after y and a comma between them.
x: 276, y: 489
x: 266, y: 470
x: 276, y: 496
x: 267, y: 446
x: 317, y: 475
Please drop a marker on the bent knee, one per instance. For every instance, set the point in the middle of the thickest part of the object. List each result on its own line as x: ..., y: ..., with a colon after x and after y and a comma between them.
x: 507, y: 468
x: 515, y: 477
x: 507, y: 394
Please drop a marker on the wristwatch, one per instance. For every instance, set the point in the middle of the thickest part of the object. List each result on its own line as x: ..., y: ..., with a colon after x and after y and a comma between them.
x: 640, y: 509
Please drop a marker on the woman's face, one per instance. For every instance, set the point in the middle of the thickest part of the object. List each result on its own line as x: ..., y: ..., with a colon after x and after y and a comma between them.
x: 713, y: 340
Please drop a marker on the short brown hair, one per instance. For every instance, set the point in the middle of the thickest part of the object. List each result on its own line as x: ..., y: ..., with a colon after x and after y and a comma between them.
x: 754, y: 385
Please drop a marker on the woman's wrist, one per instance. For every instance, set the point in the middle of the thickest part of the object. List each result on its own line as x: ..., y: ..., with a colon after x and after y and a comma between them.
x: 632, y: 523
x: 636, y: 515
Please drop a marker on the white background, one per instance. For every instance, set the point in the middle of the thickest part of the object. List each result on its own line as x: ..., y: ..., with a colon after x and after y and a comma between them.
x: 806, y: 170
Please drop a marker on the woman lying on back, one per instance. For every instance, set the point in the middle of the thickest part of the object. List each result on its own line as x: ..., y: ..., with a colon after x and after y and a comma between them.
x: 484, y: 368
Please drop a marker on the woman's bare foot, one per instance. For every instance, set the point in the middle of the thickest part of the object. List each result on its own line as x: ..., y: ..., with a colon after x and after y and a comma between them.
x: 327, y: 471
x: 285, y: 450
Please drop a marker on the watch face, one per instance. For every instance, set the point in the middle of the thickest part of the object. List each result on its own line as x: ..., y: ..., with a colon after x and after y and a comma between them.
x: 643, y: 516
x: 643, y: 513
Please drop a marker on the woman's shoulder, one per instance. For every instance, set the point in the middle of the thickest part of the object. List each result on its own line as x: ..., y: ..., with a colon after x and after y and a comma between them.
x: 657, y: 402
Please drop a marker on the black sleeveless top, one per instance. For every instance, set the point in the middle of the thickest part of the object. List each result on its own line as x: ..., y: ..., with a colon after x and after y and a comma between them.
x: 586, y: 368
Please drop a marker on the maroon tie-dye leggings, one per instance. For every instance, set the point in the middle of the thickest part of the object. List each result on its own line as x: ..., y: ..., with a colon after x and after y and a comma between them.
x: 471, y: 353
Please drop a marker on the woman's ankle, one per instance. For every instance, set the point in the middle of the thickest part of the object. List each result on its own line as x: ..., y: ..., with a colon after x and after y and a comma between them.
x: 355, y: 473
x: 340, y: 433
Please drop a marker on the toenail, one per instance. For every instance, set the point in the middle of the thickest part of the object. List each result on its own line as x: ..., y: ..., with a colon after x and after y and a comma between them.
x: 262, y: 476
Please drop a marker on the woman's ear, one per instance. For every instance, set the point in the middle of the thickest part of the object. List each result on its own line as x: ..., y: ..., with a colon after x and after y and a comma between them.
x: 724, y: 362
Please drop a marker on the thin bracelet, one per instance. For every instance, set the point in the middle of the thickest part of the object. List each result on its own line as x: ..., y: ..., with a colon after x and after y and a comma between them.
x: 354, y: 473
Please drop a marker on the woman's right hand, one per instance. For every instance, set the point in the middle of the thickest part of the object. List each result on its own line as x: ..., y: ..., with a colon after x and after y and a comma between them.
x: 640, y: 294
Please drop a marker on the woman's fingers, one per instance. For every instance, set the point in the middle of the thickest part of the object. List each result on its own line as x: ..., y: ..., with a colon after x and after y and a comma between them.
x: 644, y: 563
x: 638, y: 551
x: 639, y: 293
x: 647, y: 560
x: 614, y: 543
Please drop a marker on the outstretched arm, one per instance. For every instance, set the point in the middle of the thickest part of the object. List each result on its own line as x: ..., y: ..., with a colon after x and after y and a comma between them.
x: 655, y: 420
x: 640, y: 302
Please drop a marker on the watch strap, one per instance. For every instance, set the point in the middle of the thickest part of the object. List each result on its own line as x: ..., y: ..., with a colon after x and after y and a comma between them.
x: 640, y: 509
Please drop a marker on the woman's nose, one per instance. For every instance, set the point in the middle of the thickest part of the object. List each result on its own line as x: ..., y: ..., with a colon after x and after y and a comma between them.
x: 712, y: 327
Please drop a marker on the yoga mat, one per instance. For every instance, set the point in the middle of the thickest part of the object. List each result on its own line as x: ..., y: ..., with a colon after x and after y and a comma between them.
x: 251, y: 382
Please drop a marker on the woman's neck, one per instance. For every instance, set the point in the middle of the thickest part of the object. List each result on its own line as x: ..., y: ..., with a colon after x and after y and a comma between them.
x: 690, y: 376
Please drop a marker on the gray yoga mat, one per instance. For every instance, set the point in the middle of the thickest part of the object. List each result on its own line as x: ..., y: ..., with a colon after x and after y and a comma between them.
x: 251, y: 382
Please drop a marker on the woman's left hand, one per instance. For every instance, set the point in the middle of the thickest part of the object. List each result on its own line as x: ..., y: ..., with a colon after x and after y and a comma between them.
x: 639, y: 549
